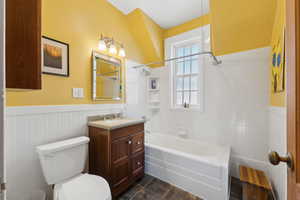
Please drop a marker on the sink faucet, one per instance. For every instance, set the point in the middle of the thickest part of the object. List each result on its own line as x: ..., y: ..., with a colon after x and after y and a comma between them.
x: 112, y: 116
x: 107, y: 117
x: 116, y: 115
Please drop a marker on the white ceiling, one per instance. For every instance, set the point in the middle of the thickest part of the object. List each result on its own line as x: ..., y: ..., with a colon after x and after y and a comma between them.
x: 166, y: 13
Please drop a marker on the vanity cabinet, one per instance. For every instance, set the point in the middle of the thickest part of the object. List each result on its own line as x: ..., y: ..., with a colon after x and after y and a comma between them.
x: 117, y: 155
x: 23, y: 44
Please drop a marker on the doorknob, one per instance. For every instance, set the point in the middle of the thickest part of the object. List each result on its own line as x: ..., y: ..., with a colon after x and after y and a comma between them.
x: 275, y: 159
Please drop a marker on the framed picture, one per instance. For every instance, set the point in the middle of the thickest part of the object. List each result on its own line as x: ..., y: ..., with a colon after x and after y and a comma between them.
x: 278, y: 65
x: 55, y: 57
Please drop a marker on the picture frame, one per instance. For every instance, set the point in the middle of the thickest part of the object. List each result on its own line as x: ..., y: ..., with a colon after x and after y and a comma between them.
x: 55, y: 57
x: 278, y: 65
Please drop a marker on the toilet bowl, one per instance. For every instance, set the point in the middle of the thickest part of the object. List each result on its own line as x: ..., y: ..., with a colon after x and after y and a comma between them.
x: 82, y: 187
x: 63, y: 163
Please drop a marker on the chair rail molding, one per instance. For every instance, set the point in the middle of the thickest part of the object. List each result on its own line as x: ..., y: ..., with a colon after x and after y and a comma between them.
x: 32, y: 110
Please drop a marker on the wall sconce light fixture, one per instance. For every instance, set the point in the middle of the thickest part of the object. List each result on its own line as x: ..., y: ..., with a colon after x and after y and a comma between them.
x: 122, y: 51
x: 110, y: 44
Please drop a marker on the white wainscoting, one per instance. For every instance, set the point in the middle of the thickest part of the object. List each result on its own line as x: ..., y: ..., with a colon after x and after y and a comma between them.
x: 30, y: 126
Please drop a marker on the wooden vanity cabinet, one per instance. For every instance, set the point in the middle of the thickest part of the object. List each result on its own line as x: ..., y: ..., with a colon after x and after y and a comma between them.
x: 117, y: 155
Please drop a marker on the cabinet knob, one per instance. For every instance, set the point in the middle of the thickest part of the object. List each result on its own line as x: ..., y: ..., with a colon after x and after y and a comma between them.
x: 138, y: 163
x: 129, y: 142
x: 138, y: 142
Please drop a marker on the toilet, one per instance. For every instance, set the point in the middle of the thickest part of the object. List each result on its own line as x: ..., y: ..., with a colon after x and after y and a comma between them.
x: 63, y: 164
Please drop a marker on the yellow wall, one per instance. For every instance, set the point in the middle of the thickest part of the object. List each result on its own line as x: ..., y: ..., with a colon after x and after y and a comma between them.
x: 190, y: 25
x: 235, y: 25
x: 80, y: 24
x: 148, y: 34
x: 241, y: 25
x: 278, y: 99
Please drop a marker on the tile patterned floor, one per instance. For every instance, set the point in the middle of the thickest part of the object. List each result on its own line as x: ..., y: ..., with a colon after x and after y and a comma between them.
x: 150, y: 188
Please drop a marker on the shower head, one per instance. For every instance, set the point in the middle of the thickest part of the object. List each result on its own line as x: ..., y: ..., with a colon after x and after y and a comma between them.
x: 146, y: 71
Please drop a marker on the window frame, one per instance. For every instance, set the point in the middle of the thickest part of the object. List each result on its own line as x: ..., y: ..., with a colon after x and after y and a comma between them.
x: 174, y: 76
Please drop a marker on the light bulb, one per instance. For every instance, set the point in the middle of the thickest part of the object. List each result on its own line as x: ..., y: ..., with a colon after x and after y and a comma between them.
x: 102, y: 45
x: 207, y: 40
x: 112, y: 49
x: 122, y: 52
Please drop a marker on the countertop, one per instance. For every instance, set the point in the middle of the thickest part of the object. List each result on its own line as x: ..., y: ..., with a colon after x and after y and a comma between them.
x: 115, y: 123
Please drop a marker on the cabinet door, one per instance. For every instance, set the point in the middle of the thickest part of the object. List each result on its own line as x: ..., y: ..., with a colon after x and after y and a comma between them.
x: 120, y: 173
x: 23, y: 44
x: 120, y: 149
x: 120, y: 161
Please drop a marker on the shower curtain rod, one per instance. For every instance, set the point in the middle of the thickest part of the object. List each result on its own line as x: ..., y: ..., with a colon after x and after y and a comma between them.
x: 217, y: 62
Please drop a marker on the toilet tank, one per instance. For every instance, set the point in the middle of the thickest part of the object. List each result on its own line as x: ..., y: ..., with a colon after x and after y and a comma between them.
x: 63, y: 160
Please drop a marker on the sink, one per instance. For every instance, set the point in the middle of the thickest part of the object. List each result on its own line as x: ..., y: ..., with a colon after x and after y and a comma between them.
x: 115, y: 123
x: 110, y: 121
x: 116, y: 120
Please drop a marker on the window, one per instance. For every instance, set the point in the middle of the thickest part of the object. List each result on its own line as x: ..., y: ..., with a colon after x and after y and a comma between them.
x: 186, y: 73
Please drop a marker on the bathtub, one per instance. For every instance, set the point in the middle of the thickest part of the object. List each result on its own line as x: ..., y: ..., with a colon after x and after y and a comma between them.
x: 199, y: 168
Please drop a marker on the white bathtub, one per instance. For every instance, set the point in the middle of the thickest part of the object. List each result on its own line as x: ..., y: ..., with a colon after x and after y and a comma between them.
x: 199, y: 168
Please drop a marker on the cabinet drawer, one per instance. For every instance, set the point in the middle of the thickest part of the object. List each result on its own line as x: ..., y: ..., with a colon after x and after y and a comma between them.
x: 137, y: 164
x: 126, y: 131
x: 137, y: 144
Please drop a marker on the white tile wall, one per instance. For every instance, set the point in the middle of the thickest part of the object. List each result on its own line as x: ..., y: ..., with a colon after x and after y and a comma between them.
x: 136, y: 91
x: 278, y: 142
x: 235, y: 107
x: 28, y: 127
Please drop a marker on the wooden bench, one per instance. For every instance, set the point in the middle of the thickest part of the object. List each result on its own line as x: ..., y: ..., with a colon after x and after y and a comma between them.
x: 256, y: 185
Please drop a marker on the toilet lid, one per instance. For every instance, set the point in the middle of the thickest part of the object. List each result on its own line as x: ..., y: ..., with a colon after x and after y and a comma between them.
x: 83, y: 187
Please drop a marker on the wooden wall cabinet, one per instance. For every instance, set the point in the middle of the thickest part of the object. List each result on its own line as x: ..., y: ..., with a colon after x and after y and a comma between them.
x: 23, y: 44
x: 117, y: 155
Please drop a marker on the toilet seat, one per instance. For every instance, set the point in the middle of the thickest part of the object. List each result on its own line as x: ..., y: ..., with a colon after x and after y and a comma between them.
x: 83, y: 187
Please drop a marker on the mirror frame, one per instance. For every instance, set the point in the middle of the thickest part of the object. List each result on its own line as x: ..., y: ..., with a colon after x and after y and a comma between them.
x: 108, y: 59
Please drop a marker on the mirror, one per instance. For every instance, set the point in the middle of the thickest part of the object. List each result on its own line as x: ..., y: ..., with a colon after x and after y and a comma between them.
x: 107, y: 77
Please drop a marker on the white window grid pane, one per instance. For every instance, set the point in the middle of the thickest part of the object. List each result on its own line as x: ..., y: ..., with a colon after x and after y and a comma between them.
x: 194, y: 99
x: 186, y: 90
x: 179, y: 68
x: 185, y: 94
x: 179, y: 98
